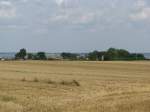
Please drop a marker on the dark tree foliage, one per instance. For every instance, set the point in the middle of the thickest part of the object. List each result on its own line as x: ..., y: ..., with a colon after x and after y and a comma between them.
x: 21, y: 54
x: 135, y: 56
x: 117, y: 54
x: 96, y: 55
x: 93, y: 56
x: 114, y: 54
x: 30, y: 56
x: 70, y: 56
x: 40, y: 56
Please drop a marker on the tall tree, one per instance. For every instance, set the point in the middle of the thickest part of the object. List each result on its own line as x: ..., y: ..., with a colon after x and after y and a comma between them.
x: 21, y: 54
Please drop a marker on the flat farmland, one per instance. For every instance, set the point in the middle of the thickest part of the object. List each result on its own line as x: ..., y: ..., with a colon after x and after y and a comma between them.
x: 74, y: 86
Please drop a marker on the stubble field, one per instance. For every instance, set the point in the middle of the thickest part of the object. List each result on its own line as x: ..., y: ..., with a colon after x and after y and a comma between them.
x: 68, y: 86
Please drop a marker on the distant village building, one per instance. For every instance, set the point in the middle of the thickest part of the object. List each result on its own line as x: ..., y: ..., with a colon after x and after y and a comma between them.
x: 103, y: 57
x: 54, y: 56
x: 2, y: 59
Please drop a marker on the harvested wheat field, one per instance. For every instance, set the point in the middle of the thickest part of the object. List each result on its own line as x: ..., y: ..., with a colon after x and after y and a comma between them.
x: 68, y: 86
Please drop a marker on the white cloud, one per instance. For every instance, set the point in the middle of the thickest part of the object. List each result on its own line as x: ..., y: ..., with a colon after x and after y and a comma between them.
x: 7, y: 10
x: 106, y: 15
x: 143, y: 14
x: 77, y: 16
x: 59, y: 2
x: 140, y: 3
x: 5, y: 3
x: 67, y: 3
x: 142, y: 11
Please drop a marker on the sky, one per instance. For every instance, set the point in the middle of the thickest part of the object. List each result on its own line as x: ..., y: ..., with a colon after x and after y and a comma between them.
x: 74, y: 25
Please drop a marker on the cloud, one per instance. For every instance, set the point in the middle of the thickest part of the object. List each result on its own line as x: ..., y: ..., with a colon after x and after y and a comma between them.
x: 77, y: 16
x: 143, y: 14
x: 140, y: 3
x: 102, y: 13
x: 142, y: 11
x: 72, y: 12
x: 67, y: 3
x: 59, y: 2
x: 7, y: 10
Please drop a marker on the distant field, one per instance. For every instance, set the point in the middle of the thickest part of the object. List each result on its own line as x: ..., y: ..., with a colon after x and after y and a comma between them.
x: 65, y: 86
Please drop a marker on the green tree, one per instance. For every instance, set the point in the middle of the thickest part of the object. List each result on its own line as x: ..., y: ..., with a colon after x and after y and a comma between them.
x: 30, y: 56
x: 70, y: 56
x: 41, y: 56
x: 114, y: 54
x: 93, y: 56
x: 97, y: 56
x: 21, y: 54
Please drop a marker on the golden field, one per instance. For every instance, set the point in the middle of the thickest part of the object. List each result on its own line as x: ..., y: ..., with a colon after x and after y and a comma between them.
x: 48, y: 86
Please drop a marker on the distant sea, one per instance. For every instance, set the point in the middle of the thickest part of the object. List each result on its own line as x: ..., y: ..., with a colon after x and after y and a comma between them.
x: 8, y: 55
x: 11, y: 55
x: 147, y: 55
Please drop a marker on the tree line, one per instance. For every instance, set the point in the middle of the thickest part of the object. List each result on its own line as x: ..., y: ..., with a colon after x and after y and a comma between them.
x: 22, y: 54
x: 115, y: 54
x: 109, y: 55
